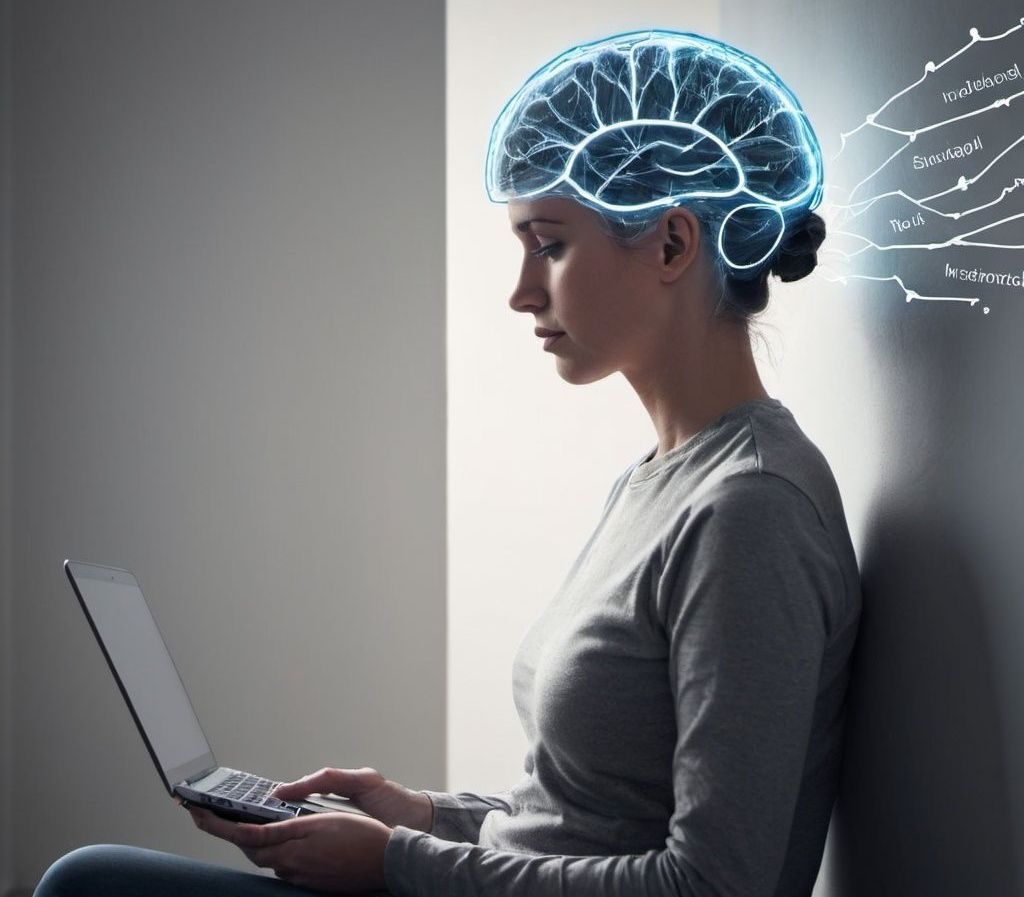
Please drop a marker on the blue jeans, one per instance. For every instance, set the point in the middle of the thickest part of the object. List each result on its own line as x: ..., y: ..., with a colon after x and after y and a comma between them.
x: 117, y: 870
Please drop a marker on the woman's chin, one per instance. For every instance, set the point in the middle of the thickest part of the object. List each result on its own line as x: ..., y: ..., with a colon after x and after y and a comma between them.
x: 579, y: 375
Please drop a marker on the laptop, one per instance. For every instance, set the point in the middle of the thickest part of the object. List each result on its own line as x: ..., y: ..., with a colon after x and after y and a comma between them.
x: 144, y: 671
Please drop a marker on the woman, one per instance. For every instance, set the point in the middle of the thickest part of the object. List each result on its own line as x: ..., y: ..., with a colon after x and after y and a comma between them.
x: 683, y: 693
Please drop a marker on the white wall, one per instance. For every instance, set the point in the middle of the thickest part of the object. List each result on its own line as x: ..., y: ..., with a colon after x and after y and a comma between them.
x: 228, y: 322
x: 530, y: 457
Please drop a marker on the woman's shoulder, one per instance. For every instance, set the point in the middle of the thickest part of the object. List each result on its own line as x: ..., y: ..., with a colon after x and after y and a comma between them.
x: 769, y: 452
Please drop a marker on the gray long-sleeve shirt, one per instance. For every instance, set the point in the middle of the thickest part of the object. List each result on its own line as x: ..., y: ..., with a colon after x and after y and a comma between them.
x: 682, y: 693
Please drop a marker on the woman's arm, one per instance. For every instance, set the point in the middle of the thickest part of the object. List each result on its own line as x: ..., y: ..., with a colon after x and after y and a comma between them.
x: 458, y: 817
x: 745, y: 608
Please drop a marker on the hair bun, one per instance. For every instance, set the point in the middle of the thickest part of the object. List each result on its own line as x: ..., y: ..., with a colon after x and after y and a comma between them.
x: 797, y: 255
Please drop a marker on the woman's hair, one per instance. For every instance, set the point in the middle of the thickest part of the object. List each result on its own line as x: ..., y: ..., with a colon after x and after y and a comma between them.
x: 639, y: 122
x: 740, y: 300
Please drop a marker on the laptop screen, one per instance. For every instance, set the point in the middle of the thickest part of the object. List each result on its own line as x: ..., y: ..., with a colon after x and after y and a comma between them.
x: 133, y: 643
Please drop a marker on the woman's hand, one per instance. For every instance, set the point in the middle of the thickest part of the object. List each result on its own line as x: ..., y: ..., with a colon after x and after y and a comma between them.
x: 367, y: 790
x: 339, y: 852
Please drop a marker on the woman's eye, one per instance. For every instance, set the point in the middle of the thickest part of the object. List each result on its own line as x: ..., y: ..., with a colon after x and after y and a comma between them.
x: 545, y: 250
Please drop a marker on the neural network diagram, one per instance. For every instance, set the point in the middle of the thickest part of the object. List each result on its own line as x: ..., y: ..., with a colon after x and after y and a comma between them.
x: 936, y: 203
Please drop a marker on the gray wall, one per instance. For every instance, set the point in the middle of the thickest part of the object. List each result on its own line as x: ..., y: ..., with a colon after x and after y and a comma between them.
x: 932, y: 801
x: 228, y: 375
x: 222, y: 331
x: 6, y: 637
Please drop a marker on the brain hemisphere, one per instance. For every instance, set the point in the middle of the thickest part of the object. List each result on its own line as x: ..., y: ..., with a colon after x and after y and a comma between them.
x: 654, y: 123
x: 619, y: 165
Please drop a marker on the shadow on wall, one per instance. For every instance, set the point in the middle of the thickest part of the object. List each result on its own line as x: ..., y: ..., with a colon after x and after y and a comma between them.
x: 923, y: 806
x: 931, y: 798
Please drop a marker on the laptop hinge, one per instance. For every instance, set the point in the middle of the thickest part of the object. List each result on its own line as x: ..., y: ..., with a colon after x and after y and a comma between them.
x: 200, y: 775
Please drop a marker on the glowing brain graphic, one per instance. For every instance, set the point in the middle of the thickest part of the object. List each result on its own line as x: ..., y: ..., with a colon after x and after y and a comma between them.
x: 650, y: 119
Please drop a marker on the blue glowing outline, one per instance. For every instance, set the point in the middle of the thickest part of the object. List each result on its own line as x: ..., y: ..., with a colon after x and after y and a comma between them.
x: 810, y: 146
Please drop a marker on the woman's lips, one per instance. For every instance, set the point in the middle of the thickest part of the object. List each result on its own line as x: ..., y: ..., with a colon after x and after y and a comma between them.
x: 548, y: 341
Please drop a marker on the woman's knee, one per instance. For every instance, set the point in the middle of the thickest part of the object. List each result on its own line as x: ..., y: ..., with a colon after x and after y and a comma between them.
x: 84, y: 870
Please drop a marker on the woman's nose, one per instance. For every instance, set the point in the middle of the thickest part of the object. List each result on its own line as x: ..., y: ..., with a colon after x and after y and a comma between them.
x: 526, y: 295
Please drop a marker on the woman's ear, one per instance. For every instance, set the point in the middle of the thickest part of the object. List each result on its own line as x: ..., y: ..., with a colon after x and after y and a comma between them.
x: 678, y: 242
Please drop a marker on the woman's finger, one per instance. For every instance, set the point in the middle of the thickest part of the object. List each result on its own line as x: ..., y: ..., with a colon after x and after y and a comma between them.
x: 213, y: 824
x: 263, y: 857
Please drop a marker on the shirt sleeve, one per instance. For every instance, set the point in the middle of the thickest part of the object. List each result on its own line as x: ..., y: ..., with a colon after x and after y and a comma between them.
x: 458, y: 817
x: 742, y: 606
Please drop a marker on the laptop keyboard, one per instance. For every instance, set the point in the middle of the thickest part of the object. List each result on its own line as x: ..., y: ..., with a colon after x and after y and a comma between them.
x: 245, y: 787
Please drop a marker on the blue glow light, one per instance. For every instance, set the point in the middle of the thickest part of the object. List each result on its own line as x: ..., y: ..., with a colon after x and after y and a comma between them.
x: 643, y: 120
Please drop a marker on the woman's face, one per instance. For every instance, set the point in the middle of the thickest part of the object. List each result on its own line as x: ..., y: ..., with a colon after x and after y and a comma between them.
x: 575, y: 279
